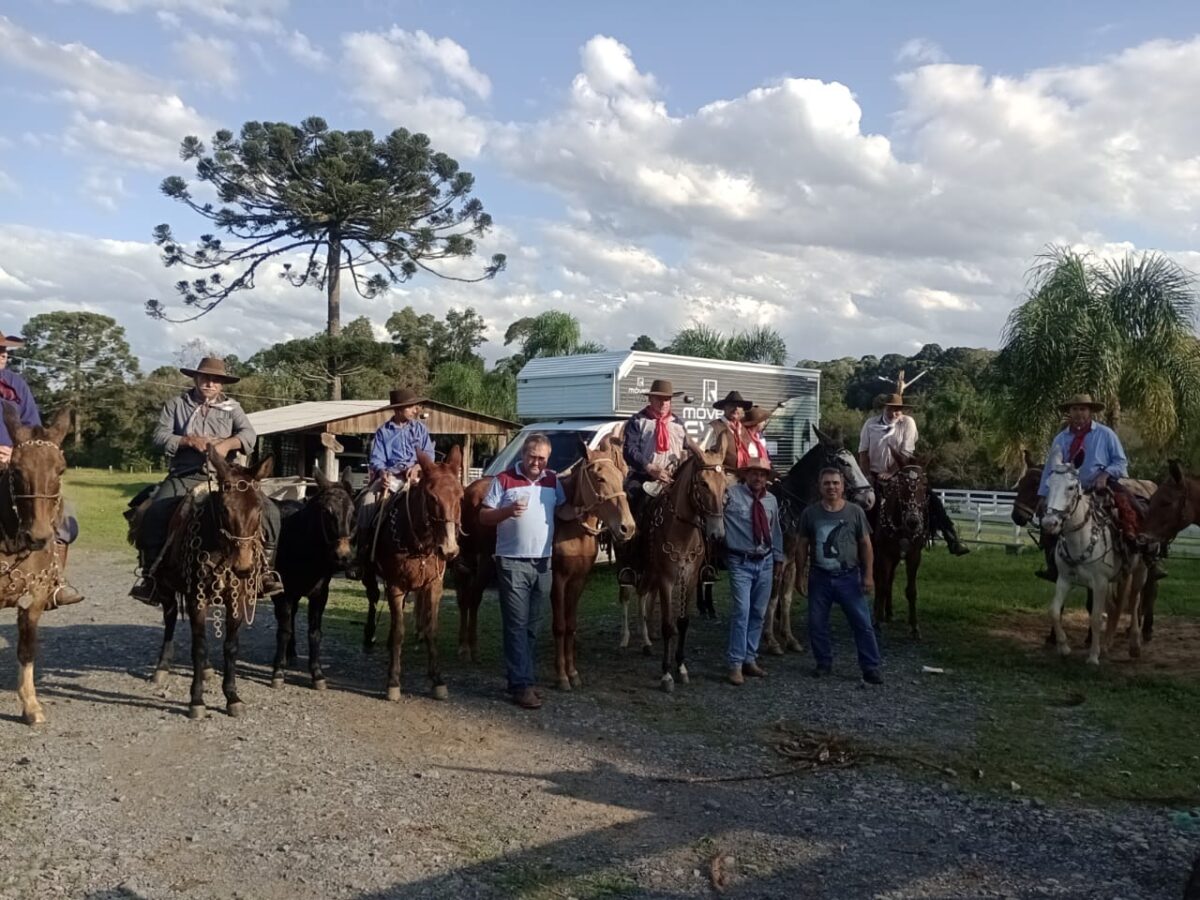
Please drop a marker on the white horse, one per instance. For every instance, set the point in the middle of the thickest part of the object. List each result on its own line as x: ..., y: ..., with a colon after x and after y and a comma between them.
x: 1089, y: 554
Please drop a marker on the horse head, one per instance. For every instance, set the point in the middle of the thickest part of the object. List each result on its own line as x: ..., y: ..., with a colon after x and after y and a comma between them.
x: 335, y: 503
x: 1173, y: 507
x: 441, y: 490
x: 34, y: 478
x: 1063, y: 492
x: 240, y: 500
x: 706, y: 485
x: 1027, y: 486
x: 902, y: 504
x: 600, y: 488
x: 858, y: 487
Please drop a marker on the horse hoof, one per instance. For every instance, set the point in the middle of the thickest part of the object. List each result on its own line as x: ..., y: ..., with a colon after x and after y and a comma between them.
x: 236, y: 709
x: 795, y: 646
x: 916, y: 634
x: 33, y: 717
x: 1064, y: 650
x: 683, y: 675
x: 393, y: 694
x: 646, y: 649
x: 368, y: 646
x: 320, y: 684
x: 1093, y: 661
x: 668, y: 684
x: 196, y: 712
x: 564, y: 684
x: 159, y: 678
x: 775, y: 650
x: 276, y: 681
x: 1135, y: 652
x: 576, y: 681
x: 441, y: 692
x: 209, y: 672
x: 292, y: 659
x: 464, y: 653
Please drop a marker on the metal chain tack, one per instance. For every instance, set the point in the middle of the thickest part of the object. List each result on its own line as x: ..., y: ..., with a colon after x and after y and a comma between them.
x: 909, y: 503
x: 16, y: 582
x: 213, y: 582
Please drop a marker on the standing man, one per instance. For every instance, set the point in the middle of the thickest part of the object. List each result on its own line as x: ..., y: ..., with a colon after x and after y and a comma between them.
x: 392, y: 465
x: 753, y: 548
x: 521, y: 503
x: 14, y: 391
x: 734, y: 408
x: 199, y: 418
x: 886, y: 446
x: 840, y: 571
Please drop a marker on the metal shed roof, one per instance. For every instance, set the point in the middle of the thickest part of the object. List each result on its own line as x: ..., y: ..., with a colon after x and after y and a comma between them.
x: 303, y: 416
x: 623, y: 361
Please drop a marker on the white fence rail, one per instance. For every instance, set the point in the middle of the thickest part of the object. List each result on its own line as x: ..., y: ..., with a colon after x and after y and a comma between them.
x: 985, y: 517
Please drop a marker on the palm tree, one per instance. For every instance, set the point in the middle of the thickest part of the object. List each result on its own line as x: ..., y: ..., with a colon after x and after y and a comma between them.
x: 1121, y: 330
x: 756, y: 345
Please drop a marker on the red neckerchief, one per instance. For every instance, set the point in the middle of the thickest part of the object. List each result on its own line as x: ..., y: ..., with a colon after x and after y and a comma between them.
x: 760, y: 444
x: 736, y: 430
x: 1078, y: 434
x: 758, y: 519
x: 662, y: 435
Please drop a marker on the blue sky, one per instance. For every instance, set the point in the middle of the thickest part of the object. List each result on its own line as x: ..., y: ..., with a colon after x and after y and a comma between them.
x: 862, y: 176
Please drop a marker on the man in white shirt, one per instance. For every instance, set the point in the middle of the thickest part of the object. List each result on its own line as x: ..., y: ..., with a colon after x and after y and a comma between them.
x: 886, y: 445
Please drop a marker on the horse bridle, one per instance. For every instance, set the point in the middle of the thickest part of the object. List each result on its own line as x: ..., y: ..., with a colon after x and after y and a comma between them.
x: 241, y: 486
x: 14, y: 496
x: 909, y: 503
x: 598, y: 499
x: 1066, y: 513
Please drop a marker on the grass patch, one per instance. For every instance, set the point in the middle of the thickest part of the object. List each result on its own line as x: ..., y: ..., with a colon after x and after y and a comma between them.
x: 99, y: 497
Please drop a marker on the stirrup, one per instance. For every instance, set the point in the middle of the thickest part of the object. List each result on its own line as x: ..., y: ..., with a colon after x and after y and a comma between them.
x: 627, y: 577
x: 145, y: 590
x: 708, y: 574
x: 272, y: 583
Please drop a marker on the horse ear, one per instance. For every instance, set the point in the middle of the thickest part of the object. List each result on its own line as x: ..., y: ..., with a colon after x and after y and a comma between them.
x: 12, y: 421
x: 60, y: 426
x: 1056, y: 457
x: 345, y: 479
x: 218, y: 462
x: 322, y: 482
x: 425, y: 461
x: 1077, y: 462
x: 1030, y: 462
x: 1176, y: 470
x: 454, y: 460
x: 822, y: 436
x: 264, y: 468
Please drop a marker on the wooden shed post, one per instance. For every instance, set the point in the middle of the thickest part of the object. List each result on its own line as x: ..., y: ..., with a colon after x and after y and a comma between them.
x: 332, y: 447
x: 468, y: 456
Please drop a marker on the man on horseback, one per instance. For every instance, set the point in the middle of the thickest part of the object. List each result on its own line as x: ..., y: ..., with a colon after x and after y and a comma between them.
x: 393, y: 462
x: 199, y: 418
x: 14, y: 391
x: 653, y: 445
x: 1104, y: 465
x: 734, y: 409
x: 886, y: 446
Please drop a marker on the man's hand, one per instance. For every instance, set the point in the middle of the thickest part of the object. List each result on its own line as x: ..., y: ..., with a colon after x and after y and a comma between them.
x: 5, y: 454
x: 1101, y: 481
x: 658, y: 473
x: 413, y: 474
x: 517, y: 509
x: 197, y: 442
x: 869, y: 584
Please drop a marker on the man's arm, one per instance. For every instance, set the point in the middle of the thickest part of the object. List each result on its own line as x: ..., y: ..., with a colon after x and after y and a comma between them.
x: 864, y: 447
x: 1117, y: 465
x: 27, y: 407
x: 165, y: 437
x: 491, y: 512
x: 377, y: 460
x: 866, y: 553
x: 776, y: 537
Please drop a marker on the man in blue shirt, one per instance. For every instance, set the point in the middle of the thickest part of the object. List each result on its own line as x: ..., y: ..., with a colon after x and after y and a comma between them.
x: 393, y: 464
x: 522, y: 503
x: 753, y: 547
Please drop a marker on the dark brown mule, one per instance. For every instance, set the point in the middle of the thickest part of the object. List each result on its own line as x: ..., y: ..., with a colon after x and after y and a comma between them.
x: 597, y: 488
x: 475, y: 568
x: 417, y: 539
x: 217, y: 560
x: 901, y: 529
x: 30, y: 558
x: 687, y: 513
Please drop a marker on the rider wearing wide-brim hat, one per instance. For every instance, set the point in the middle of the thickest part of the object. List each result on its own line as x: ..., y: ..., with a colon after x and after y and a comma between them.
x: 654, y: 437
x: 200, y: 418
x: 733, y: 407
x: 753, y: 425
x: 393, y: 463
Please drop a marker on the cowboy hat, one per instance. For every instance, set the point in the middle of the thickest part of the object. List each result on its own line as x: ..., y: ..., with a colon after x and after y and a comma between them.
x: 212, y: 366
x: 402, y: 397
x: 733, y: 398
x: 895, y: 400
x: 11, y: 340
x: 757, y: 464
x: 661, y: 387
x: 1081, y: 400
x: 756, y: 415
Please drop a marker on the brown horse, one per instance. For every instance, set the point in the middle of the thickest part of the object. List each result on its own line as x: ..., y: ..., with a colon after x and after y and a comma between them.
x: 418, y: 537
x: 475, y: 568
x: 597, y: 489
x: 901, y: 529
x: 216, y: 560
x: 30, y: 558
x: 688, y: 512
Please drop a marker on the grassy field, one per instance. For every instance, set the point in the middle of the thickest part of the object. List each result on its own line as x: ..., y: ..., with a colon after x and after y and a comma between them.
x: 983, y: 619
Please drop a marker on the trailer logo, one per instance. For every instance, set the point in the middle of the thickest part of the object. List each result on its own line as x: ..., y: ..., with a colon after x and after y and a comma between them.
x: 708, y: 390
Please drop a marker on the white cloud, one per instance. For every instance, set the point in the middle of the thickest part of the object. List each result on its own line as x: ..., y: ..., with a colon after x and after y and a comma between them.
x: 920, y: 51
x: 412, y: 80
x: 7, y: 184
x: 303, y: 51
x: 252, y: 15
x: 209, y: 60
x: 114, y: 107
x: 103, y: 189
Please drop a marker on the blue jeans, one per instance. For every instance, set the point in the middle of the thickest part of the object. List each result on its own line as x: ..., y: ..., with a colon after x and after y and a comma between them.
x: 749, y: 593
x: 524, y: 590
x: 844, y: 589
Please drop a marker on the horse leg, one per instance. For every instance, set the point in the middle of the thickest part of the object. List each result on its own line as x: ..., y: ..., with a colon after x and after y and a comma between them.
x: 667, y: 681
x: 911, y: 566
x: 1149, y: 596
x: 769, y: 640
x: 681, y: 625
x: 1114, y: 608
x: 395, y: 640
x: 645, y: 612
x: 371, y: 585
x: 571, y: 614
x: 166, y: 653
x: 788, y: 590
x: 292, y: 655
x: 316, y: 615
x: 468, y: 600
x: 1137, y: 594
x: 625, y: 594
x: 1102, y: 596
x: 27, y: 622
x: 233, y: 704
x: 284, y: 637
x: 431, y: 599
x: 196, y: 617
x: 1061, y: 587
x: 558, y: 626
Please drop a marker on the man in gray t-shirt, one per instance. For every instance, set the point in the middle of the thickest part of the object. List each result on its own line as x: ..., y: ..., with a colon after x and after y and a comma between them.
x: 840, y: 572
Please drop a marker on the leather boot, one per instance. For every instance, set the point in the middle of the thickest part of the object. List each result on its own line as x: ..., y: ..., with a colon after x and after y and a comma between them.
x: 64, y: 593
x: 1050, y: 573
x: 271, y: 582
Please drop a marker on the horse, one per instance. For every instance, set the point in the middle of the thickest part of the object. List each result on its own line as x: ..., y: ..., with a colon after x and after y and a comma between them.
x: 474, y: 569
x: 795, y: 491
x: 30, y: 512
x: 597, y: 489
x: 1024, y: 510
x: 689, y: 511
x: 315, y: 542
x: 901, y: 529
x: 416, y: 540
x: 1089, y: 553
x: 217, y: 560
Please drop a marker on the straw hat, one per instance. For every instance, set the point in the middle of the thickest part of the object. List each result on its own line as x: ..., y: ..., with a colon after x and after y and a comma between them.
x: 895, y: 400
x: 757, y: 464
x: 661, y: 387
x: 756, y: 415
x: 214, y: 367
x: 1081, y: 400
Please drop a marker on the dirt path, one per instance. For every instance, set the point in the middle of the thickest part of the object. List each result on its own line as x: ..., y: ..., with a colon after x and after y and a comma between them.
x: 340, y: 794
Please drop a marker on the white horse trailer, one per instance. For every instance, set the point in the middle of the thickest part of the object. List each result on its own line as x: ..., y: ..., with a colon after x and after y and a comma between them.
x: 579, y: 399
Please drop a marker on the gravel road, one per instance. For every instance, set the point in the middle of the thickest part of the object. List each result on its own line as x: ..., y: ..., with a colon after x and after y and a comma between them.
x: 339, y: 794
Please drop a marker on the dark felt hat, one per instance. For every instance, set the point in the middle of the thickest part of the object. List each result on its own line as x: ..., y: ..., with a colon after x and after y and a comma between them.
x: 402, y: 397
x: 214, y: 367
x: 733, y: 398
x: 661, y: 387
